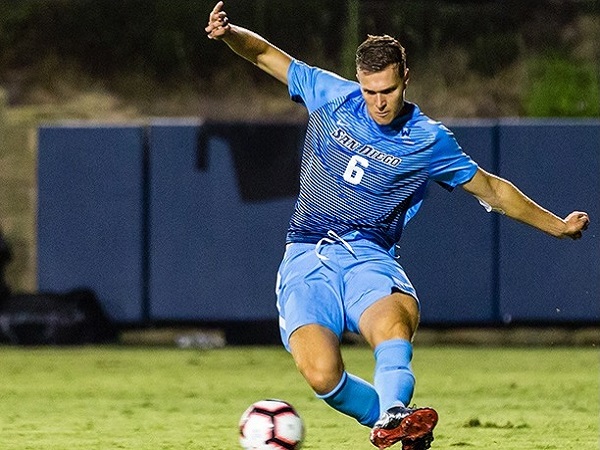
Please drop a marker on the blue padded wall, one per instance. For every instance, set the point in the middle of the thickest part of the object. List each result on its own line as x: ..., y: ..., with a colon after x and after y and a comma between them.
x: 90, y: 207
x: 557, y: 164
x: 186, y: 221
x: 213, y: 255
x: 447, y: 248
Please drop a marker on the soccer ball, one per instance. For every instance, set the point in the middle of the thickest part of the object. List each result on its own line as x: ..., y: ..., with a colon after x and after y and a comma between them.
x: 271, y: 425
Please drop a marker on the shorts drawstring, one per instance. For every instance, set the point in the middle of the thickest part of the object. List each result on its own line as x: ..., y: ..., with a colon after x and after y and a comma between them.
x: 332, y: 238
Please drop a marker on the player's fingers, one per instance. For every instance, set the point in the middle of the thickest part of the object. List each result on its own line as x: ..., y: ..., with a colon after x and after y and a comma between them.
x: 217, y: 8
x: 215, y: 32
x: 218, y: 21
x: 218, y: 24
x: 581, y: 220
x: 223, y: 21
x: 220, y: 16
x: 578, y: 219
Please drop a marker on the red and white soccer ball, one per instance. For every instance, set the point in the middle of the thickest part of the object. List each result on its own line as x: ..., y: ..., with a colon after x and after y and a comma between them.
x: 271, y: 425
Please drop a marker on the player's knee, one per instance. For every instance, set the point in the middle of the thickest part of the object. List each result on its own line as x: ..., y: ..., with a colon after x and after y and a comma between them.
x: 394, y: 317
x: 322, y: 376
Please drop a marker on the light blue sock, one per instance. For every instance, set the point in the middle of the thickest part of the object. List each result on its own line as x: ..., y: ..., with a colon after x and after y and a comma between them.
x: 354, y: 397
x: 394, y: 380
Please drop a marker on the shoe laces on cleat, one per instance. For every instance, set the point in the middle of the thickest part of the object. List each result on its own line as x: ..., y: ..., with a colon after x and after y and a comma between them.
x: 393, y: 416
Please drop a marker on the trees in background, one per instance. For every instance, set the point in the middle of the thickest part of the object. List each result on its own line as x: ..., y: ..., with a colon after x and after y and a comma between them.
x: 164, y: 40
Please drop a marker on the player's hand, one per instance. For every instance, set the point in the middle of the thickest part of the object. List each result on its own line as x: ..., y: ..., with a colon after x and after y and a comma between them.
x: 218, y: 23
x: 576, y: 223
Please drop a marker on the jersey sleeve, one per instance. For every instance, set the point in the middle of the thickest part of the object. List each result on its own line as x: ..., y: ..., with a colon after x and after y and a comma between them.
x: 314, y: 87
x: 450, y: 165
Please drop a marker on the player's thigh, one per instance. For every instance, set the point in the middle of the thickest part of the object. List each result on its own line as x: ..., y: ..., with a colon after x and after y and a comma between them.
x: 308, y: 293
x: 395, y: 316
x: 380, y: 299
x: 316, y: 352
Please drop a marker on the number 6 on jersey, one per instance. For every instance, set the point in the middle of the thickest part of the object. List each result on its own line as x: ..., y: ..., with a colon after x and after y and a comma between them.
x: 354, y: 172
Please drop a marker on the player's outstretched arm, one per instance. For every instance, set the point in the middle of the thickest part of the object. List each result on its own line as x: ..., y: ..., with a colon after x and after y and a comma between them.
x: 248, y: 44
x: 502, y: 196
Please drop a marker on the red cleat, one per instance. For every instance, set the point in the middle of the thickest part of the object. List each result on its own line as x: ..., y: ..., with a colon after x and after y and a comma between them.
x: 413, y: 427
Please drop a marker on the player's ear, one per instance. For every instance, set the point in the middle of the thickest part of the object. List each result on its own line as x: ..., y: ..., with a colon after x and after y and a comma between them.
x: 406, y: 76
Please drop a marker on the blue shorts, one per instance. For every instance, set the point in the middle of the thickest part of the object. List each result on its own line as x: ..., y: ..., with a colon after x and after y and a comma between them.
x: 333, y: 283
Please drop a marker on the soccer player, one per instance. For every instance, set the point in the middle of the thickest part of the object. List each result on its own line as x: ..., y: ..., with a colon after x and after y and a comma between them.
x: 368, y: 156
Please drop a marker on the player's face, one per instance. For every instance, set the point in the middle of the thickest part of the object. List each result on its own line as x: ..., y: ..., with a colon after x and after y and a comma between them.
x: 383, y: 92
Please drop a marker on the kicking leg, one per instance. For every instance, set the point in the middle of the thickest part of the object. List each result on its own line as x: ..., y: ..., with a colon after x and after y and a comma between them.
x: 316, y: 352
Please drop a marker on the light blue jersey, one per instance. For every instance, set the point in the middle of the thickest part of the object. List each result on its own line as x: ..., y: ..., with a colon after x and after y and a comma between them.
x: 357, y: 175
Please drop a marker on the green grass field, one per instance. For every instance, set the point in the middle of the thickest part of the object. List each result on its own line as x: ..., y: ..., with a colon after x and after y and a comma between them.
x: 166, y: 398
